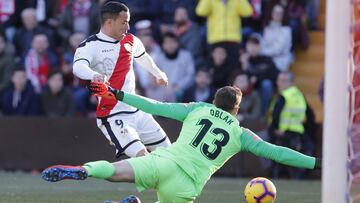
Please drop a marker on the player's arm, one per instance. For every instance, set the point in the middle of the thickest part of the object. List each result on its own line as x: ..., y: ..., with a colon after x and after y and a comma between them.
x: 81, y: 65
x: 146, y: 62
x: 252, y: 143
x: 177, y: 111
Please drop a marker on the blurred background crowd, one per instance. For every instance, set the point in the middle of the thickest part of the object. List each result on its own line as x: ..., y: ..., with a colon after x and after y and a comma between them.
x: 200, y: 44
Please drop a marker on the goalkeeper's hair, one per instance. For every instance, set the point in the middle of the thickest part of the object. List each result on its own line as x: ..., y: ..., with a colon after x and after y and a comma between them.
x: 227, y: 98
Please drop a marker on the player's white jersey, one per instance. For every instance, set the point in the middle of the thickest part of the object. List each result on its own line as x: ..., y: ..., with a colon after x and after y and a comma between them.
x: 114, y: 59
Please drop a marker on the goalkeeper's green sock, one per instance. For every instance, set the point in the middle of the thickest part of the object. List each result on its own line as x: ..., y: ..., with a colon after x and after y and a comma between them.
x: 100, y: 169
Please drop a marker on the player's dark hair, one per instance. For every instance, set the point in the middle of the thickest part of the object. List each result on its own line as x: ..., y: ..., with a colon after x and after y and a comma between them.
x: 111, y: 9
x: 228, y: 97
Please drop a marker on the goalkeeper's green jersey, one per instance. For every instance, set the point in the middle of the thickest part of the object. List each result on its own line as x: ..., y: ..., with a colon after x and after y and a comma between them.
x: 209, y: 137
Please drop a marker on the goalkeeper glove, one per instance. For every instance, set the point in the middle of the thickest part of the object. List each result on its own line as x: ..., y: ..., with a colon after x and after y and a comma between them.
x: 103, y: 90
x: 318, y: 164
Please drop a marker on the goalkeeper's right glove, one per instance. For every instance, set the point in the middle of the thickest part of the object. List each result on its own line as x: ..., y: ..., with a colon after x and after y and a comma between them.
x: 103, y: 90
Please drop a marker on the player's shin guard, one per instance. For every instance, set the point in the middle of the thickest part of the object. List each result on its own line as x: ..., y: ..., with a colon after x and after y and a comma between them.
x: 100, y: 169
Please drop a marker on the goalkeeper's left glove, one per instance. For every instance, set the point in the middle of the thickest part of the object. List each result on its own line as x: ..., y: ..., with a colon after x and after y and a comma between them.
x: 318, y: 164
x: 103, y: 90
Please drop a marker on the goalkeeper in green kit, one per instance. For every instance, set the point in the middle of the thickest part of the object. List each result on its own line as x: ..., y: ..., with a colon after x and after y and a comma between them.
x: 210, y: 135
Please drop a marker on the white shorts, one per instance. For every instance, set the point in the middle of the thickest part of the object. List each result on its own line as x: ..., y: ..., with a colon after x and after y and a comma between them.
x: 133, y: 132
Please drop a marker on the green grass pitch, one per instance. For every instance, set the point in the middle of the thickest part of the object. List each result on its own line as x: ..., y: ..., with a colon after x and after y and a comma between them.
x: 28, y: 188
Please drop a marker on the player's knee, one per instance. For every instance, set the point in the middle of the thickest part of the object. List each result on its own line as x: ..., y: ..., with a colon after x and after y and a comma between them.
x: 123, y: 172
x: 136, y: 149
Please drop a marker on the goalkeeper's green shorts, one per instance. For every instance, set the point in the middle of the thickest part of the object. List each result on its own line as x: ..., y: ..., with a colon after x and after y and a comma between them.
x: 173, y: 185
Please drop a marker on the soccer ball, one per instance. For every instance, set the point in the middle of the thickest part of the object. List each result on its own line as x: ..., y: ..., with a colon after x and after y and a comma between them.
x: 260, y: 190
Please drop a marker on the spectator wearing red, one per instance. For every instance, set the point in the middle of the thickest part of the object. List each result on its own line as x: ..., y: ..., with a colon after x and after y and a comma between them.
x: 39, y: 62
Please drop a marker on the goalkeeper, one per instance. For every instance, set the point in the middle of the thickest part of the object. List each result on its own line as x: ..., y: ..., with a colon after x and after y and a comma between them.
x: 210, y: 135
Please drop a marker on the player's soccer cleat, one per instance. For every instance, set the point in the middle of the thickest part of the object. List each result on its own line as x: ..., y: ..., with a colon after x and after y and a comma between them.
x: 62, y: 172
x: 128, y: 199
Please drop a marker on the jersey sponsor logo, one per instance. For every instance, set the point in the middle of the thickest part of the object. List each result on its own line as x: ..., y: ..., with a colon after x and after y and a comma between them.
x: 107, y: 50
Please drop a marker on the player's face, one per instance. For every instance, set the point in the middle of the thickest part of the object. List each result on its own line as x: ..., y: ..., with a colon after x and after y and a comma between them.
x: 121, y: 24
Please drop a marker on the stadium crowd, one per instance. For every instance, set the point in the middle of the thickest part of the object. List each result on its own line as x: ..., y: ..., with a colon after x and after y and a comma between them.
x: 201, y: 45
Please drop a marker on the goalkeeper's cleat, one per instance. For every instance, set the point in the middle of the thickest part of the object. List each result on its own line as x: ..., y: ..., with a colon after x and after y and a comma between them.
x: 62, y: 172
x: 128, y: 199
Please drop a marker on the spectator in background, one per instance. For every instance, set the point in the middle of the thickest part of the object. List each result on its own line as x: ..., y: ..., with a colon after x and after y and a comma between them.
x: 20, y: 98
x: 46, y: 10
x: 79, y: 16
x: 81, y: 94
x: 312, y: 10
x: 250, y: 105
x: 40, y: 61
x: 224, y: 22
x: 168, y: 10
x: 7, y: 15
x: 188, y: 33
x: 6, y: 64
x: 201, y: 91
x: 296, y: 15
x: 56, y: 99
x: 153, y: 49
x: 220, y: 68
x: 160, y: 93
x: 255, y: 22
x: 290, y: 116
x: 143, y: 9
x: 24, y: 35
x: 277, y: 40
x: 178, y: 64
x: 73, y: 42
x: 261, y: 69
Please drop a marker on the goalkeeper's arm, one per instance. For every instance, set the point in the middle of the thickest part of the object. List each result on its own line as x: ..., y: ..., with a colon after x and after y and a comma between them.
x: 177, y: 111
x: 253, y: 144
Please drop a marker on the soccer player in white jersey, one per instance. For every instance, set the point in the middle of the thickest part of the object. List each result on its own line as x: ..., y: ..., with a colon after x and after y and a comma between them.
x: 108, y: 56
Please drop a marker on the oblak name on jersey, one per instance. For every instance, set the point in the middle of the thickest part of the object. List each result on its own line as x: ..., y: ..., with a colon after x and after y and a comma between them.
x: 219, y: 114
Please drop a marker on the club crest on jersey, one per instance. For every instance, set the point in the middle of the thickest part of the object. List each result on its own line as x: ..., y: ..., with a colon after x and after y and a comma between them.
x: 128, y: 47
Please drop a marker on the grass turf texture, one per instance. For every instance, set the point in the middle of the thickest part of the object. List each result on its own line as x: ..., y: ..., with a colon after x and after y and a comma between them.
x: 26, y: 188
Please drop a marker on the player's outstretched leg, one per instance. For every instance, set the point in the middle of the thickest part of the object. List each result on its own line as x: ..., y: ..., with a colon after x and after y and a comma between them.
x: 61, y: 172
x: 128, y: 199
x: 117, y: 172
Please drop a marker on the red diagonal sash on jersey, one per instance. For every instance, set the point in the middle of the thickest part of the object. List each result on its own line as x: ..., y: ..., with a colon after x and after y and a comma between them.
x: 118, y: 76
